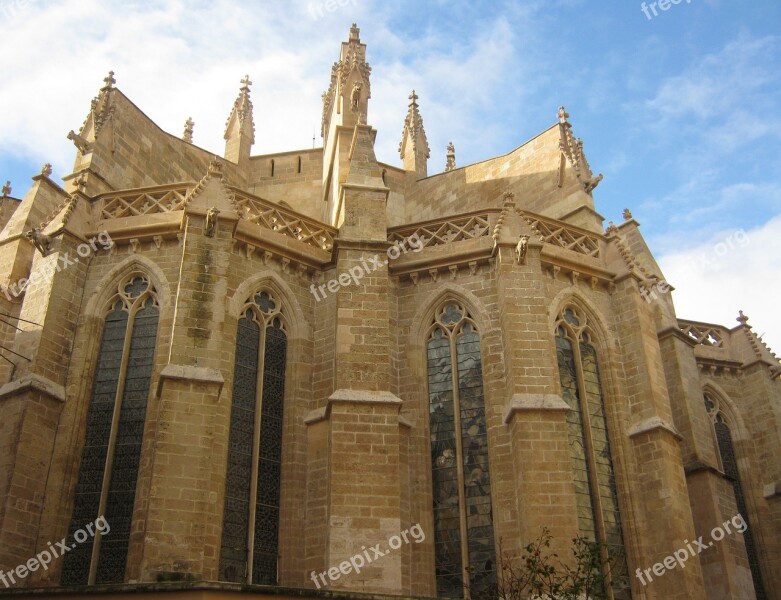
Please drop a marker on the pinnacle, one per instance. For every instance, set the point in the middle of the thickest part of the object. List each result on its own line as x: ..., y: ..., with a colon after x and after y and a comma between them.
x: 109, y: 81
x: 242, y: 109
x: 355, y: 33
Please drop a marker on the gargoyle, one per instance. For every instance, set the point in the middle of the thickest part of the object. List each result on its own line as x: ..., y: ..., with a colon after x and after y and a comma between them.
x: 83, y: 145
x: 211, y: 221
x: 592, y: 183
x: 521, y: 248
x: 355, y: 95
x: 40, y: 240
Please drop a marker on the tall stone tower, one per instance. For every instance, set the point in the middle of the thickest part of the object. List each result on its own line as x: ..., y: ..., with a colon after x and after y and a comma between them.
x: 314, y: 371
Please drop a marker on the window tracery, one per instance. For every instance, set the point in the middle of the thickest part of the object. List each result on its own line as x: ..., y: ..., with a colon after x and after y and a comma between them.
x: 463, y: 518
x: 729, y: 463
x: 250, y: 538
x: 592, y: 462
x: 115, y: 426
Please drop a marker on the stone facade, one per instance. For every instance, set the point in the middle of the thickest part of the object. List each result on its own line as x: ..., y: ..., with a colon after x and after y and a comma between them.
x: 514, y: 242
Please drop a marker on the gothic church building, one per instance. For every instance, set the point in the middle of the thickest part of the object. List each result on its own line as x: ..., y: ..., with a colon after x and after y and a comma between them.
x: 252, y: 369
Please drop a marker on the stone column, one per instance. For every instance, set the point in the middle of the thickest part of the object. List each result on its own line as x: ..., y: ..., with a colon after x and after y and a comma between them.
x: 535, y: 415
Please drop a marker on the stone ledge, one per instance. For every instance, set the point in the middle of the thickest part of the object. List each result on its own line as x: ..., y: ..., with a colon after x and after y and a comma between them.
x: 195, y: 590
x: 203, y: 375
x: 652, y: 424
x: 697, y: 466
x: 368, y: 397
x: 35, y: 382
x: 534, y: 402
x: 772, y: 490
x: 363, y: 397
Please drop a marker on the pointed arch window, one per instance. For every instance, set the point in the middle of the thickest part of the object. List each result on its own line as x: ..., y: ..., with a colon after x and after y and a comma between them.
x: 589, y: 441
x: 250, y: 533
x: 729, y: 464
x: 115, y: 426
x: 463, y: 517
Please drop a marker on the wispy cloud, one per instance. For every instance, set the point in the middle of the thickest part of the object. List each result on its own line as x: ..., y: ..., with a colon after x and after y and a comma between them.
x: 713, y: 279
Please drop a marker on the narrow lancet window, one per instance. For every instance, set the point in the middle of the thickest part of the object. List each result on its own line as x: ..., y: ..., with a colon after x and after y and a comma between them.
x: 463, y: 517
x: 729, y: 463
x: 592, y: 462
x: 115, y: 425
x: 250, y: 535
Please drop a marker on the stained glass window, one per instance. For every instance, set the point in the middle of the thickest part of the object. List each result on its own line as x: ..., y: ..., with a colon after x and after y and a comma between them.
x: 250, y: 535
x: 463, y: 517
x: 115, y: 427
x: 729, y: 462
x: 589, y: 442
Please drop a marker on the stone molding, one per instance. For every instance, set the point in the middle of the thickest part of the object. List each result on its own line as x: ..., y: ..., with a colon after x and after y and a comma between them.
x: 201, y: 375
x: 34, y: 382
x: 652, y: 424
x: 368, y: 397
x: 772, y: 490
x: 534, y: 402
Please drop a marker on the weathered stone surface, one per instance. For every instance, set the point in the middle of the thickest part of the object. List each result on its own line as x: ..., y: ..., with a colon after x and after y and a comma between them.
x: 360, y: 257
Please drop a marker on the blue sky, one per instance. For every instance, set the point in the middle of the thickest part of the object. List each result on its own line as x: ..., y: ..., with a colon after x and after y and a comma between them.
x: 680, y: 112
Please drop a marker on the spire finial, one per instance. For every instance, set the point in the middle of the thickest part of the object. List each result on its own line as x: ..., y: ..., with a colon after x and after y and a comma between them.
x: 742, y: 319
x: 355, y: 33
x: 627, y: 214
x: 245, y: 83
x: 46, y: 170
x: 189, y: 124
x: 7, y: 189
x: 563, y: 115
x: 451, y: 157
x: 413, y: 99
x: 109, y: 81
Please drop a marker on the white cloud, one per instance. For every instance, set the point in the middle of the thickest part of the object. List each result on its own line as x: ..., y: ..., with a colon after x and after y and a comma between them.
x: 734, y: 271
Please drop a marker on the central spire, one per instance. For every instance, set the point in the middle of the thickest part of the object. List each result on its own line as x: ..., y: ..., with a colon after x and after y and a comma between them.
x: 346, y: 102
